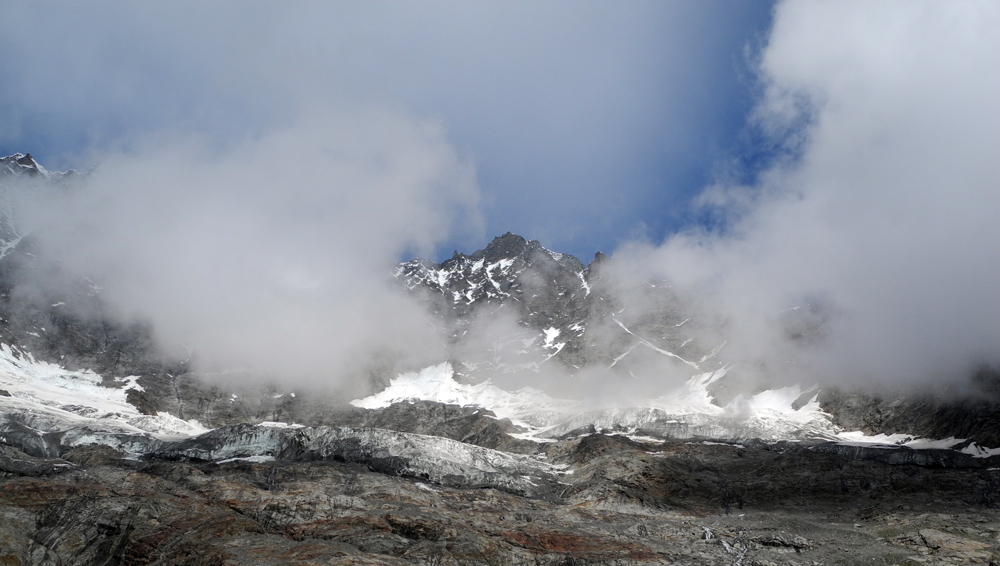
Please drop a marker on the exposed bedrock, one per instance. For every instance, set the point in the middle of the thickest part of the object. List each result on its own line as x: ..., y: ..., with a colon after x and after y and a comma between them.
x: 623, y: 503
x: 440, y: 460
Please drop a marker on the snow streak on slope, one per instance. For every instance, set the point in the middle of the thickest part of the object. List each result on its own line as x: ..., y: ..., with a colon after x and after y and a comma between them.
x: 660, y: 350
x: 857, y: 438
x: 48, y: 398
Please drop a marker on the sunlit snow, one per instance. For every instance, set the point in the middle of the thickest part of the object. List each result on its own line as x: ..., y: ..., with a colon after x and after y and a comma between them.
x: 49, y: 398
x: 688, y: 411
x: 527, y: 406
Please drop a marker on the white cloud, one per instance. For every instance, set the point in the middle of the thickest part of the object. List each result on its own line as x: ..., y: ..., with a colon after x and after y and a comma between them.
x: 275, y: 253
x: 888, y: 219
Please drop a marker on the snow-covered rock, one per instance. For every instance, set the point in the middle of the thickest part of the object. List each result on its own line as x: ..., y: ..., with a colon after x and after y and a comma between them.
x: 685, y: 412
x: 72, y: 408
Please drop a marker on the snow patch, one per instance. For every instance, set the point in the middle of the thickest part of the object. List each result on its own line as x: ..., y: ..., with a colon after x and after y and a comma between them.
x: 687, y: 411
x: 275, y: 424
x: 684, y: 412
x: 253, y: 459
x: 550, y: 335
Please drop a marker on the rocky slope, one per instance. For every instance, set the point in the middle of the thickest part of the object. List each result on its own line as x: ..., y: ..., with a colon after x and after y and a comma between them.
x: 592, y: 500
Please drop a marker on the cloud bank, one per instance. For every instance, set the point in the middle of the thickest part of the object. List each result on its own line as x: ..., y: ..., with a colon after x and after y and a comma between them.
x: 274, y: 254
x: 870, y: 254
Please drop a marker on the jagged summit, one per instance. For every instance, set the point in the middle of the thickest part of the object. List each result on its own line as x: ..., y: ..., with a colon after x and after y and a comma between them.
x: 490, y: 273
x: 21, y: 164
x: 508, y: 245
x: 544, y: 290
x: 512, y: 246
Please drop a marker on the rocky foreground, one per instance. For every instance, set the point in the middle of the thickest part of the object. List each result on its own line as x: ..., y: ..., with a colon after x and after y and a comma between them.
x: 346, y: 495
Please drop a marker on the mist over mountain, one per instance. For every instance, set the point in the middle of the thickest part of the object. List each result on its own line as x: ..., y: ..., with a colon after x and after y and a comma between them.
x: 232, y: 336
x: 540, y: 385
x: 622, y: 328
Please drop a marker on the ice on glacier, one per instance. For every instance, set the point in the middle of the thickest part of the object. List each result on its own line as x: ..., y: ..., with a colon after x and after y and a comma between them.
x: 48, y: 398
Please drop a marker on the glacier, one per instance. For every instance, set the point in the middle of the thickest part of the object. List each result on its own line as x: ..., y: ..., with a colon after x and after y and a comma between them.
x: 43, y: 398
x: 47, y: 408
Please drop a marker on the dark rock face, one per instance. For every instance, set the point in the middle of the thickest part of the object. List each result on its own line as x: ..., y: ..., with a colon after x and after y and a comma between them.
x: 439, y: 460
x: 623, y: 503
x: 471, y: 425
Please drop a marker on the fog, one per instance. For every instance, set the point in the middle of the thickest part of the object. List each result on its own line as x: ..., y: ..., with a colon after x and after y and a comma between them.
x: 869, y: 252
x: 254, y: 215
x: 275, y: 254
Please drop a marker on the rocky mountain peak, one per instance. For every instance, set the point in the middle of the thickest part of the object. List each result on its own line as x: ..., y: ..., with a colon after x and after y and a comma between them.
x: 24, y: 165
x: 513, y: 247
x: 21, y: 164
x: 555, y: 300
x: 99, y: 464
x: 507, y: 246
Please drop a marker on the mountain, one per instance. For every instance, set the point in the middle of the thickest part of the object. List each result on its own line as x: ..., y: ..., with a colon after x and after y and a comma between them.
x: 114, y: 452
x: 512, y: 308
x: 23, y: 164
x: 575, y: 316
x: 564, y: 312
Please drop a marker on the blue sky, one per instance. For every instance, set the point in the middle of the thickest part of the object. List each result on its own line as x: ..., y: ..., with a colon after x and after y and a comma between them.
x: 588, y: 123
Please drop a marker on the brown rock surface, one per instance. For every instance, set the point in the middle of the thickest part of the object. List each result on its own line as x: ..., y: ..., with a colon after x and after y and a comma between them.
x: 623, y: 503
